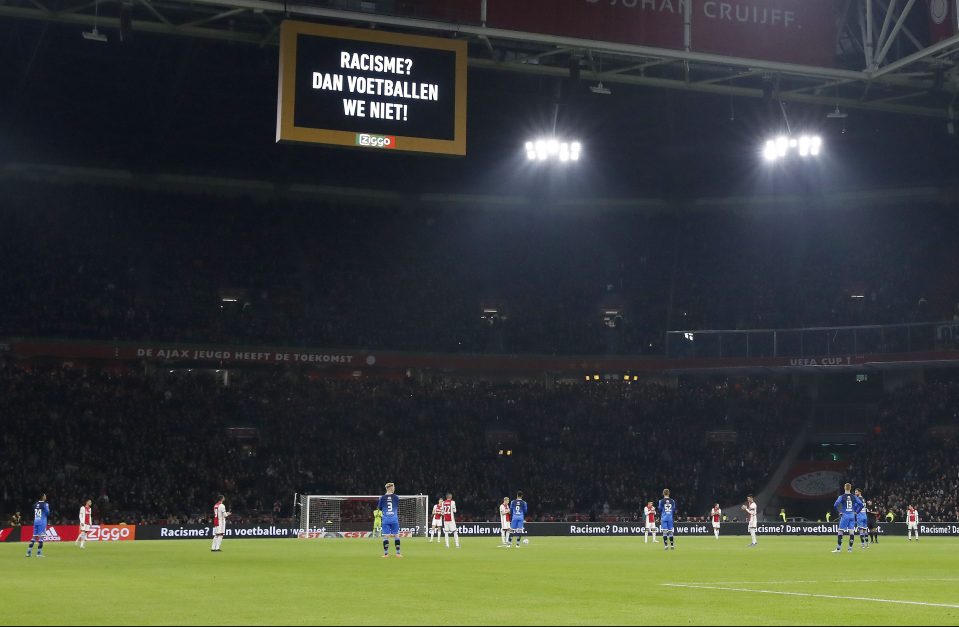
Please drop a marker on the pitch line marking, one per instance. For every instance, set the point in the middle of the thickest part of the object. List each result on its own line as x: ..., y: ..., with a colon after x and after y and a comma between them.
x: 783, y: 583
x: 807, y: 595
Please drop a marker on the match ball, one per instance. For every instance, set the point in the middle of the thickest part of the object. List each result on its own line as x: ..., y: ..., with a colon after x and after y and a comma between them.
x: 525, y: 540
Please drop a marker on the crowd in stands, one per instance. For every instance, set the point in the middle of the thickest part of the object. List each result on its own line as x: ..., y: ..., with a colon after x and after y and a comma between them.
x: 159, y: 447
x: 101, y: 263
x: 765, y: 419
x: 97, y: 263
x: 911, y: 456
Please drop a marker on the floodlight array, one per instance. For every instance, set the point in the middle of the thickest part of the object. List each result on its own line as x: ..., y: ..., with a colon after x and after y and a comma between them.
x: 551, y: 149
x: 783, y: 147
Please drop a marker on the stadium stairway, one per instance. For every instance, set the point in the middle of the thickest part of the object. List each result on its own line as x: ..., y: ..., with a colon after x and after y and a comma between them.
x: 767, y: 499
x: 705, y: 501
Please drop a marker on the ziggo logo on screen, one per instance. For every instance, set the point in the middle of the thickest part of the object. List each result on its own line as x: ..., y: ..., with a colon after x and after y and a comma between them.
x: 366, y: 140
x: 111, y: 533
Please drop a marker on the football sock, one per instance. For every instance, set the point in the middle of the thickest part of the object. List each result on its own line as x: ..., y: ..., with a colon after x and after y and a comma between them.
x: 397, y: 543
x: 386, y: 546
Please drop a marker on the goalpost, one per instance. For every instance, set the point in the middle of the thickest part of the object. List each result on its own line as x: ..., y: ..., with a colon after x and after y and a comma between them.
x: 334, y: 513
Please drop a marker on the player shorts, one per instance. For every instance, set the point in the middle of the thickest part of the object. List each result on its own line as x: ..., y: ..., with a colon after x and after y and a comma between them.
x: 391, y: 527
x: 716, y: 525
x: 912, y: 526
x: 847, y: 523
x: 862, y: 522
x: 667, y: 524
x: 449, y: 526
x: 219, y: 530
x: 85, y: 528
x: 504, y: 523
x: 651, y: 526
x: 437, y: 522
x: 517, y: 524
x: 39, y: 530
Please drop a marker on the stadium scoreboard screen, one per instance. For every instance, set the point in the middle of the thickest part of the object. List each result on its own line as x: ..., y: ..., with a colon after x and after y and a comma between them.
x: 371, y: 89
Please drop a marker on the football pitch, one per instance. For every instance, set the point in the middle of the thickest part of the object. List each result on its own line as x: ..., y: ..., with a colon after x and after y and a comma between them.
x: 551, y: 581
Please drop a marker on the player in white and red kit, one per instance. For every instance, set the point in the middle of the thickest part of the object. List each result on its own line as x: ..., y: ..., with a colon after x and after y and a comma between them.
x: 752, y: 517
x: 504, y: 520
x: 649, y: 516
x: 912, y: 522
x: 449, y: 520
x: 437, y: 527
x: 86, y: 522
x: 219, y: 523
x: 716, y: 516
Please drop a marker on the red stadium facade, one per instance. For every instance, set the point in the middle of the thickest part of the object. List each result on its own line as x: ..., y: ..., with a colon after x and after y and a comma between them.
x: 802, y: 32
x: 790, y: 31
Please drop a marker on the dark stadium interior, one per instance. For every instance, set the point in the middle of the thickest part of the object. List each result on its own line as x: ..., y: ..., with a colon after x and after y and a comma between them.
x: 107, y: 234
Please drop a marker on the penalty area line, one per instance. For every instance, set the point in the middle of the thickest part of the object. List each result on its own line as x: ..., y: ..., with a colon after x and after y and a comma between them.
x: 808, y: 595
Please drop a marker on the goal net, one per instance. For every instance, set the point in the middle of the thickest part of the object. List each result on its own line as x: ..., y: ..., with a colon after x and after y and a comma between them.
x: 337, y: 513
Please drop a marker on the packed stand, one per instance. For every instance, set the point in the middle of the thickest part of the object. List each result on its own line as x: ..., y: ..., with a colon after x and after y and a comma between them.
x: 910, y: 458
x: 159, y: 447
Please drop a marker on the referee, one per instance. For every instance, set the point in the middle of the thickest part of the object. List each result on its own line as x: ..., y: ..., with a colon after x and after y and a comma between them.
x: 872, y: 521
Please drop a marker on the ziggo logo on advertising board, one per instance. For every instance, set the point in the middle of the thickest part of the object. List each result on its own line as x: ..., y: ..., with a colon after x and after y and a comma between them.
x: 112, y: 533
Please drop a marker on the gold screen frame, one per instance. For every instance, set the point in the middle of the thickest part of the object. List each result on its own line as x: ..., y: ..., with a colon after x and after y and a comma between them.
x: 287, y: 131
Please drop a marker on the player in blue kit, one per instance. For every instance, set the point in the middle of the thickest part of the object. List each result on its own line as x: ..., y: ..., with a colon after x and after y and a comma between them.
x: 41, y: 513
x: 518, y: 509
x: 862, y: 522
x: 849, y: 506
x: 389, y: 504
x: 667, y: 513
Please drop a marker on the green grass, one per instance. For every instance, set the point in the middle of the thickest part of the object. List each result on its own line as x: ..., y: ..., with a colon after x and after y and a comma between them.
x: 551, y: 581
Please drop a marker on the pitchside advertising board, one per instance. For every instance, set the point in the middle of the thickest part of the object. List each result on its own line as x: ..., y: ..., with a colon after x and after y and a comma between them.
x: 371, y: 89
x: 121, y: 533
x: 69, y: 533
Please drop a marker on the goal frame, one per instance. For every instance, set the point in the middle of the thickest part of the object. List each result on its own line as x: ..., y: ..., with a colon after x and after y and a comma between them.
x: 416, y: 522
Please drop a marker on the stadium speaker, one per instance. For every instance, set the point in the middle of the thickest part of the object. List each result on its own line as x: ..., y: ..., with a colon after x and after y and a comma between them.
x: 126, y: 22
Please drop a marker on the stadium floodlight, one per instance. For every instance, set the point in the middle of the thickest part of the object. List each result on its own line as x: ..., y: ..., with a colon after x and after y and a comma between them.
x: 815, y: 146
x: 553, y: 149
x: 782, y: 147
x: 531, y: 151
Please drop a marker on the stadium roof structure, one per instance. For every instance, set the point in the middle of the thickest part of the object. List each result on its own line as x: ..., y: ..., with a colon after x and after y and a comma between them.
x: 884, y: 66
